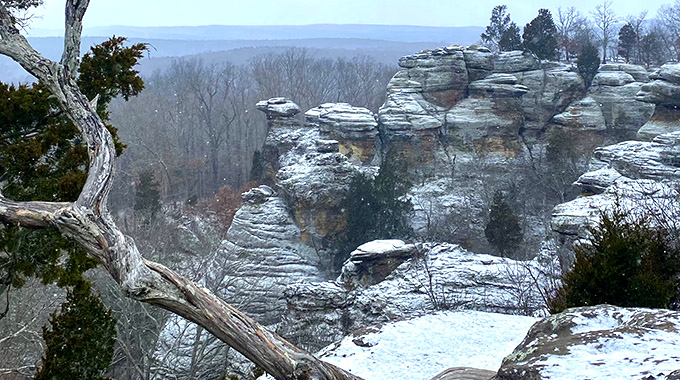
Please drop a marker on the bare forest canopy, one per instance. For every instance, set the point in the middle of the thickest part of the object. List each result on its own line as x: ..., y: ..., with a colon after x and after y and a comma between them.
x: 197, y: 126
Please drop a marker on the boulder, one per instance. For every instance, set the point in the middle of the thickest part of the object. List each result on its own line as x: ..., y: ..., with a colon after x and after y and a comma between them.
x: 465, y: 373
x: 612, y: 78
x: 371, y: 262
x: 639, y: 73
x: 598, y: 342
x: 355, y: 128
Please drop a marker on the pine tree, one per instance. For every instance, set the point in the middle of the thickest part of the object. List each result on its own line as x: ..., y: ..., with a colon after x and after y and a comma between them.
x: 540, y: 36
x: 376, y: 207
x: 43, y: 157
x: 510, y: 40
x: 588, y: 63
x: 627, y: 41
x: 147, y: 195
x: 503, y: 231
x: 79, y: 344
x: 498, y: 28
x: 626, y: 263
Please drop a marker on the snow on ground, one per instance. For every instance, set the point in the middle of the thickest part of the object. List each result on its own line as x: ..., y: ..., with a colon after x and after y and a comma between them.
x: 419, y: 348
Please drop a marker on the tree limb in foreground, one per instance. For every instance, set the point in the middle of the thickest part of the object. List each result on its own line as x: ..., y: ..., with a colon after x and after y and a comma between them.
x: 88, y: 222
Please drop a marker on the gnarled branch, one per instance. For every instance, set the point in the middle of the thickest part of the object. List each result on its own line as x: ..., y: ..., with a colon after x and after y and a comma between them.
x: 88, y: 222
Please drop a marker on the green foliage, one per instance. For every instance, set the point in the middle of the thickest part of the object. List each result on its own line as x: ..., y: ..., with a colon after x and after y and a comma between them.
x: 79, y: 345
x: 626, y: 263
x: 627, y: 41
x: 43, y: 157
x: 147, y: 195
x: 651, y: 49
x: 376, y: 207
x: 540, y: 36
x: 510, y: 40
x: 503, y: 231
x: 501, y: 32
x: 588, y: 63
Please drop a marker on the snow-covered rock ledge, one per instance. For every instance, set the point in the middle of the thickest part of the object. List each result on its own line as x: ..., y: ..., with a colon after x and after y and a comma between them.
x: 600, y: 342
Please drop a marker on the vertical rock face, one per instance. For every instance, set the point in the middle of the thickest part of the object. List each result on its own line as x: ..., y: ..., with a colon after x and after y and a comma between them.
x: 551, y: 87
x: 355, y: 128
x: 491, y: 117
x: 664, y: 92
x: 264, y: 253
x: 614, y: 88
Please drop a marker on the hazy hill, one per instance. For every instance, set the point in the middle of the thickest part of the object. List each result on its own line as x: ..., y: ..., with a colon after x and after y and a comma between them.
x: 385, y: 43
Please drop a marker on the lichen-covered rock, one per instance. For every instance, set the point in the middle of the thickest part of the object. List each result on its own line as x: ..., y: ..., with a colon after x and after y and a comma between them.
x: 664, y: 92
x: 614, y: 88
x: 639, y: 73
x: 550, y: 91
x: 355, y: 128
x: 441, y: 73
x: 284, y: 131
x: 492, y: 110
x: 599, y: 342
x: 479, y: 62
x: 314, y: 185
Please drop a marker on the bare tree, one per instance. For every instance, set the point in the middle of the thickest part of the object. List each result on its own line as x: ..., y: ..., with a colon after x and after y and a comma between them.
x: 605, y: 18
x: 668, y: 26
x: 568, y: 22
x: 88, y: 222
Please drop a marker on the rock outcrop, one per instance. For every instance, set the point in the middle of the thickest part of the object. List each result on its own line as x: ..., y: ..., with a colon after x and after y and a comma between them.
x: 600, y: 342
x: 610, y: 106
x: 635, y: 175
x: 284, y: 130
x: 664, y: 92
x: 262, y: 253
x: 491, y: 117
x: 355, y: 128
x: 552, y: 87
x: 434, y: 277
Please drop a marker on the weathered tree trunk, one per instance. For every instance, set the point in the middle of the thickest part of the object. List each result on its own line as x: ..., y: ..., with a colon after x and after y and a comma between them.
x: 88, y: 222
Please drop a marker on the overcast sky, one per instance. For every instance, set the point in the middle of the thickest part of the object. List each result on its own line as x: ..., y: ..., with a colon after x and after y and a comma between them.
x: 300, y: 12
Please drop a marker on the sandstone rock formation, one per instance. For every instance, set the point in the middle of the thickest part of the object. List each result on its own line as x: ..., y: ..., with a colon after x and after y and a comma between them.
x: 664, y: 92
x: 355, y: 128
x: 263, y: 253
x: 610, y: 107
x: 434, y: 277
x: 284, y: 129
x: 636, y: 175
x: 599, y: 342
